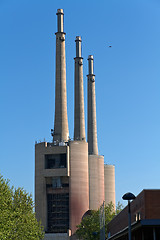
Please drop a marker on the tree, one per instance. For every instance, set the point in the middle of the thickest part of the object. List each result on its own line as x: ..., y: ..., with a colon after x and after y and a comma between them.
x: 17, y: 217
x: 119, y: 208
x: 89, y: 228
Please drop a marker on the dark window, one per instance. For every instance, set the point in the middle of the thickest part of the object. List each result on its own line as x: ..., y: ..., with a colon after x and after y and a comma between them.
x: 158, y: 232
x: 55, y: 161
x: 58, y: 212
x: 57, y: 182
x: 148, y: 233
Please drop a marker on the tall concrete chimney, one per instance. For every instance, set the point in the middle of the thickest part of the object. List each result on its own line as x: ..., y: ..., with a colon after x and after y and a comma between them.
x: 79, y: 122
x: 61, y: 132
x: 92, y: 124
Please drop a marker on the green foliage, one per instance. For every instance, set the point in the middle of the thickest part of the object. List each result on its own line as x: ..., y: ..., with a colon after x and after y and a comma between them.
x: 119, y: 207
x: 89, y: 228
x: 17, y: 218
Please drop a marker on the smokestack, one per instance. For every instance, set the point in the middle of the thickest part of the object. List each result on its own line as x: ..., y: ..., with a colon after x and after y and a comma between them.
x: 79, y: 122
x: 61, y: 132
x: 92, y: 124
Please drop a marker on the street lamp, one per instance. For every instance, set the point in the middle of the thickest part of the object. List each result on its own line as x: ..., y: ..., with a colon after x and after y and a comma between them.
x: 129, y: 196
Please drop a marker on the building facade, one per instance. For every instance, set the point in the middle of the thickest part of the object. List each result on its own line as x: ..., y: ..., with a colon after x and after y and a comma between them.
x: 145, y: 218
x: 70, y: 175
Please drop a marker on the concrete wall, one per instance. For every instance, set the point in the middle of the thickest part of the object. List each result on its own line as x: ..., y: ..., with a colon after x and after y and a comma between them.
x: 41, y: 173
x: 78, y: 182
x: 96, y: 181
x: 109, y: 183
x: 79, y: 117
x: 92, y: 122
x: 101, y: 179
x: 93, y: 182
x: 61, y: 132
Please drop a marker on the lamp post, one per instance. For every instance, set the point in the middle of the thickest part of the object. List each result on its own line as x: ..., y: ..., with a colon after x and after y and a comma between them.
x: 102, y: 221
x: 129, y: 196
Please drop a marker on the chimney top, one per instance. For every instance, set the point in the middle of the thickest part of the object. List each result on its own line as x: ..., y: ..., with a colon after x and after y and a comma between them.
x: 78, y: 38
x: 60, y: 10
x: 90, y: 57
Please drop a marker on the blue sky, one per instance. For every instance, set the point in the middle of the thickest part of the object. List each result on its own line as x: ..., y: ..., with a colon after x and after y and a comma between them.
x: 127, y: 83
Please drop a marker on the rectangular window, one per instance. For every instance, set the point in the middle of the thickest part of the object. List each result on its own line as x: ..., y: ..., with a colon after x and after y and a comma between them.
x: 57, y: 182
x: 58, y: 212
x: 53, y: 161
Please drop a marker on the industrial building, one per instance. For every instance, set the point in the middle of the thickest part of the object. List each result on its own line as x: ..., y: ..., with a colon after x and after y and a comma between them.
x: 70, y: 175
